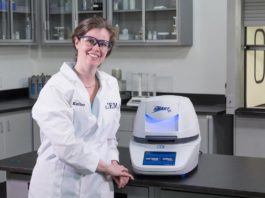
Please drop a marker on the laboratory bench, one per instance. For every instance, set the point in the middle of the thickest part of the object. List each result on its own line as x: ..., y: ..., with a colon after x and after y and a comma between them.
x: 16, y: 135
x: 215, y: 125
x: 216, y: 176
x: 15, y: 118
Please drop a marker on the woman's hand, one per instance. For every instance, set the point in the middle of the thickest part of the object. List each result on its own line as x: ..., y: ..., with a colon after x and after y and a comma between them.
x: 113, y: 169
x: 121, y: 181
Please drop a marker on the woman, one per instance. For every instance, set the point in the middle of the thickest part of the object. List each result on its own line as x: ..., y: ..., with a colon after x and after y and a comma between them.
x: 78, y: 113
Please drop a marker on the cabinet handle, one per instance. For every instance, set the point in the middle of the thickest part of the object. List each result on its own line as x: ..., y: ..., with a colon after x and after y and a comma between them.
x: 8, y: 126
x: 1, y: 128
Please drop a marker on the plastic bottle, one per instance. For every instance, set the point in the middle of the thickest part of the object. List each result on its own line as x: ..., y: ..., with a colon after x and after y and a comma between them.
x: 149, y: 35
x: 47, y: 77
x: 28, y: 29
x: 84, y: 5
x: 125, y: 4
x: 132, y: 4
x: 154, y: 35
x: 117, y: 31
x: 67, y: 6
x: 116, y: 5
x: 41, y: 81
x: 33, y: 87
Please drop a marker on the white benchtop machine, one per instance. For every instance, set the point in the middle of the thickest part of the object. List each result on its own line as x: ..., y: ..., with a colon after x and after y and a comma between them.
x: 166, y: 136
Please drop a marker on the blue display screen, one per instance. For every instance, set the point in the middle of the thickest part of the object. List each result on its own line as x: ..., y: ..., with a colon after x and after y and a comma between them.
x: 159, y: 158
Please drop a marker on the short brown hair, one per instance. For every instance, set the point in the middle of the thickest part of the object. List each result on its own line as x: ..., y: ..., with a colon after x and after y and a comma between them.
x: 94, y: 22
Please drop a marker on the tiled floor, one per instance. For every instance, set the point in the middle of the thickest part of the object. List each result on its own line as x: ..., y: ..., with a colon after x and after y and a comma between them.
x: 3, y: 190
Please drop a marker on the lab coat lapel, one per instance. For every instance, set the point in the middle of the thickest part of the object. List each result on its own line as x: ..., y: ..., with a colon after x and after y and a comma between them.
x: 67, y: 69
x: 101, y: 99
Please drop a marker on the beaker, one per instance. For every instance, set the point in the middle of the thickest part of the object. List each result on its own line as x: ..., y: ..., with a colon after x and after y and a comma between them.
x: 143, y: 84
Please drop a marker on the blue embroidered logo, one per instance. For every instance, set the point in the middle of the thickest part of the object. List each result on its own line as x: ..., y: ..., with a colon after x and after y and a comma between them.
x: 161, y: 108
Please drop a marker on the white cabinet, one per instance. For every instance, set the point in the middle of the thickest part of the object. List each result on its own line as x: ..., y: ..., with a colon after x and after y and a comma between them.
x: 15, y: 134
x: 249, y: 136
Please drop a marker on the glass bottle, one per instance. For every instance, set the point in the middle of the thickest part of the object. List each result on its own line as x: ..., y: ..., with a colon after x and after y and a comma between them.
x: 28, y: 29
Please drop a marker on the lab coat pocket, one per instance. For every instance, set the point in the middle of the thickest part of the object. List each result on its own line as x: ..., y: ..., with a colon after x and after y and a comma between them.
x: 84, y: 121
x: 110, y: 114
x: 71, y: 183
x: 46, y: 179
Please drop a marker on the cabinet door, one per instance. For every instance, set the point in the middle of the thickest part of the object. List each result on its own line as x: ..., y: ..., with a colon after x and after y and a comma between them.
x: 18, y: 133
x: 58, y: 20
x: 2, y: 140
x: 152, y: 22
x: 160, y: 20
x: 60, y: 17
x: 2, y: 149
x: 89, y: 8
x: 17, y: 21
x: 249, y: 136
x: 127, y: 17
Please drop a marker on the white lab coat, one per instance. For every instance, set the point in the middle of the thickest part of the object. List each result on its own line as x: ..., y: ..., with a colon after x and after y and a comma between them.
x: 73, y: 139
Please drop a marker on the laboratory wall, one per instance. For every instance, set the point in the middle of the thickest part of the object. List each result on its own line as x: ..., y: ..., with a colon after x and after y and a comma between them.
x: 200, y: 68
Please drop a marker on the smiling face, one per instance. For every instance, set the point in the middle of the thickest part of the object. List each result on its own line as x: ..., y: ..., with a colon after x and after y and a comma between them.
x: 93, y: 39
x: 89, y: 53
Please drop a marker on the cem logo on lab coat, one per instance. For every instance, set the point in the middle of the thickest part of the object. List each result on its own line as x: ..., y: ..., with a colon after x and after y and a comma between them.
x: 109, y: 105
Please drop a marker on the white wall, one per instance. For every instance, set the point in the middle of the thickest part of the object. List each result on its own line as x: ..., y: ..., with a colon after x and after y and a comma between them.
x: 16, y: 65
x: 200, y: 68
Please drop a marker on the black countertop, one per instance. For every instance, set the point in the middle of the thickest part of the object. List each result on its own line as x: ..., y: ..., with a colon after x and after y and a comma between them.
x: 208, y: 104
x: 223, y: 175
x: 16, y: 105
x: 254, y: 111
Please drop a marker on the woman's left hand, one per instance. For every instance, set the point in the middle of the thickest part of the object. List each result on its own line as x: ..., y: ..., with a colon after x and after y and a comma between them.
x: 121, y: 181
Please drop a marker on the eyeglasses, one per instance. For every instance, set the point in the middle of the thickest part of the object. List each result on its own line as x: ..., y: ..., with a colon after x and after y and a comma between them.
x: 93, y: 41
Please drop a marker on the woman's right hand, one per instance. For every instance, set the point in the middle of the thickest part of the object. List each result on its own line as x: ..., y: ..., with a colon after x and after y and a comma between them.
x: 113, y: 169
x: 118, y: 170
